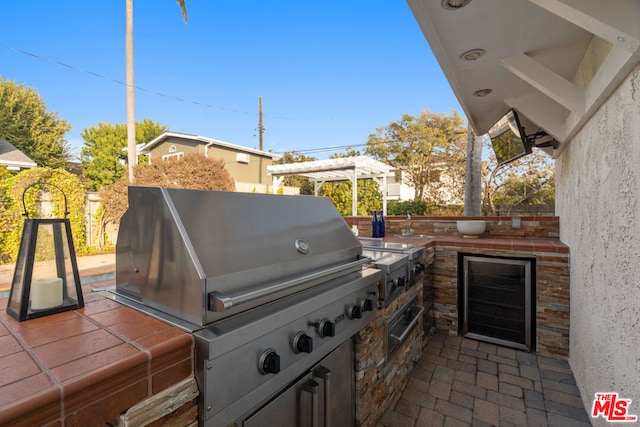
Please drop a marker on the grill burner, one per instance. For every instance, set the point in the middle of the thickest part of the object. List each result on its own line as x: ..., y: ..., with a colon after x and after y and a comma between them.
x: 269, y: 285
x: 415, y: 254
x: 394, y: 268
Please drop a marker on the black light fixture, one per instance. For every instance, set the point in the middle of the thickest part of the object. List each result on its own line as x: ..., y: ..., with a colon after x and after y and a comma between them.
x: 482, y: 92
x: 454, y: 4
x: 472, y: 55
x: 46, y: 279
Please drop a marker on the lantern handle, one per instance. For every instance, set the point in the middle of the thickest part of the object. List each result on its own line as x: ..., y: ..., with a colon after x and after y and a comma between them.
x: 24, y: 206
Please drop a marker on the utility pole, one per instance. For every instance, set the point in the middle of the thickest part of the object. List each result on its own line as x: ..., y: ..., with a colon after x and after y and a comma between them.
x: 260, y: 127
x: 132, y: 155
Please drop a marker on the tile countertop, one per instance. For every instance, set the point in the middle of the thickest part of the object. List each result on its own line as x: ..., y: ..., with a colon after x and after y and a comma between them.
x: 87, y: 366
x: 533, y: 244
x: 84, y: 367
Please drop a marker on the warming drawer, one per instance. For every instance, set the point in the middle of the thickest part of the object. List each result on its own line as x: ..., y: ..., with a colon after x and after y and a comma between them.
x: 399, y: 328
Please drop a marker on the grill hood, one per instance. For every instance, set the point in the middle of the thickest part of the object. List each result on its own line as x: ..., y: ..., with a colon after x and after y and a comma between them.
x: 204, y: 255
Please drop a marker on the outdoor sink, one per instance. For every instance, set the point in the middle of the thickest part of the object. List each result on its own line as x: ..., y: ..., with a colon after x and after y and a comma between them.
x: 413, y: 236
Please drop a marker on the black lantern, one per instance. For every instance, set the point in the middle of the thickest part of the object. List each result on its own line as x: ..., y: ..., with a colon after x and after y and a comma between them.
x: 46, y: 279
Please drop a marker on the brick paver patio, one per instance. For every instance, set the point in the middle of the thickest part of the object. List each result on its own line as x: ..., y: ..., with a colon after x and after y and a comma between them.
x: 461, y: 382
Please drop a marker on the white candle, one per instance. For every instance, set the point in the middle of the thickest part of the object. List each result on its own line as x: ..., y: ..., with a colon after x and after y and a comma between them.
x: 46, y: 293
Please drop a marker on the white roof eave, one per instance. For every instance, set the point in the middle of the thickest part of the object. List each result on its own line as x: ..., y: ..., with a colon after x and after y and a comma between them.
x: 145, y: 148
x: 541, y: 57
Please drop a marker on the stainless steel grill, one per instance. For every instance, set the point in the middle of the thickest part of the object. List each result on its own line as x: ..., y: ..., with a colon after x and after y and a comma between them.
x: 394, y: 268
x: 269, y: 285
x: 416, y: 254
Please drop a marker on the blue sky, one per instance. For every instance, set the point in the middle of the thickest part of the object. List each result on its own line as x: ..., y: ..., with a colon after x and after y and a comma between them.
x: 329, y: 72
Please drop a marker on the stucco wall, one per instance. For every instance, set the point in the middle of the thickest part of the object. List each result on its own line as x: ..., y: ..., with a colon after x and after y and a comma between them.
x: 597, y: 200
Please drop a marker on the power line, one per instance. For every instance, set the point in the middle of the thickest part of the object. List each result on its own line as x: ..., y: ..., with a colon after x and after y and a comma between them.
x: 150, y: 91
x: 323, y: 149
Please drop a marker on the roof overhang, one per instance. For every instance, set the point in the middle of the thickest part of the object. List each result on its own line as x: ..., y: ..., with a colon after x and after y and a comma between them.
x: 17, y: 165
x: 554, y: 61
x: 146, y: 148
x: 13, y: 158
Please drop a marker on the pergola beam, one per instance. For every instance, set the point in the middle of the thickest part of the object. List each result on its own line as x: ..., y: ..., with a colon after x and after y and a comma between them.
x: 341, y: 169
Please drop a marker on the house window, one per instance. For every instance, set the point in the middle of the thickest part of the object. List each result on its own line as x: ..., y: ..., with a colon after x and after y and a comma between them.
x: 243, y: 158
x: 171, y: 156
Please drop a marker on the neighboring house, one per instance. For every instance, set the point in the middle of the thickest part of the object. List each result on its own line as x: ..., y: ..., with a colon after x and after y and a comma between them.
x: 14, y: 159
x: 569, y: 68
x: 400, y: 188
x: 247, y: 166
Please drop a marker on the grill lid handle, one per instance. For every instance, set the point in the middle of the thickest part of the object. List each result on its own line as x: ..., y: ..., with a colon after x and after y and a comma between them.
x: 219, y: 302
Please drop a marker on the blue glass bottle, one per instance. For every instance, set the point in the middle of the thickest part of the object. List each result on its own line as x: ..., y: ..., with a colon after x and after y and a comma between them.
x: 374, y: 225
x: 381, y: 225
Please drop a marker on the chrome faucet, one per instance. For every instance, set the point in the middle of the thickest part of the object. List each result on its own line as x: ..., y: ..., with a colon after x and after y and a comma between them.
x: 408, y: 224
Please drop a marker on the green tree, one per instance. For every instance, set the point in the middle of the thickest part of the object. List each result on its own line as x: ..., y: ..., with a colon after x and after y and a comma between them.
x: 103, y: 156
x: 26, y: 123
x: 348, y: 152
x: 302, y: 182
x: 410, y: 207
x: 430, y: 148
x: 4, y: 174
x: 341, y: 192
x: 11, y: 206
x: 527, y: 190
x: 529, y: 180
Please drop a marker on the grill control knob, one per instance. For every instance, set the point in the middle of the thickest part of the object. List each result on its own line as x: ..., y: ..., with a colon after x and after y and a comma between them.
x: 326, y: 328
x: 366, y: 304
x: 302, y: 343
x: 354, y: 311
x: 401, y: 281
x: 269, y: 362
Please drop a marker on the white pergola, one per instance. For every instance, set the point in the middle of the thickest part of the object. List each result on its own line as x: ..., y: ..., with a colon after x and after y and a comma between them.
x: 340, y: 169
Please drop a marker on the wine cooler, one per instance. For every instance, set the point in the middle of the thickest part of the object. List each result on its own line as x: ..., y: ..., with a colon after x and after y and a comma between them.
x: 497, y: 300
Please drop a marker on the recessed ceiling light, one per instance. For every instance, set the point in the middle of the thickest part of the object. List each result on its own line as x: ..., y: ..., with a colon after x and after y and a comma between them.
x: 482, y: 93
x: 472, y: 55
x: 454, y: 4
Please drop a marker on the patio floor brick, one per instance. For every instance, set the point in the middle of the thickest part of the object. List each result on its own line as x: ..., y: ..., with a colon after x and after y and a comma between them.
x: 487, y: 412
x: 428, y: 418
x: 486, y: 380
x: 534, y: 399
x: 440, y: 389
x: 488, y: 366
x: 463, y: 382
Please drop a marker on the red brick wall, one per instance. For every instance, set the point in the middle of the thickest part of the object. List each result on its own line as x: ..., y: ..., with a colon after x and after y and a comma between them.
x: 530, y: 226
